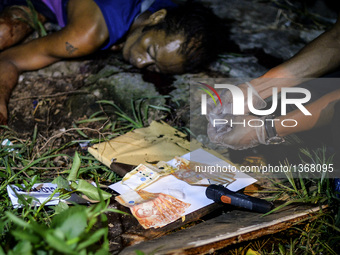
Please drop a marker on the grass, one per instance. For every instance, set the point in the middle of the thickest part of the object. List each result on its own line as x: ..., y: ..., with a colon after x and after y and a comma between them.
x: 63, y: 229
x: 308, y: 187
x: 318, y: 235
x: 34, y: 20
x: 60, y: 229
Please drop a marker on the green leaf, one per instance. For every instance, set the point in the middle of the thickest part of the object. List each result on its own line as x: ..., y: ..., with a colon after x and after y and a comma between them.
x: 303, y: 186
x: 72, y: 222
x: 161, y: 108
x: 34, y: 138
x: 58, y: 244
x: 2, y: 251
x: 91, y: 120
x: 252, y: 252
x: 75, y: 167
x: 91, y: 191
x: 61, y: 182
x: 282, y: 249
x: 79, y: 131
x: 17, y: 220
x: 39, y: 229
x: 102, y: 251
x: 42, y: 30
x: 301, y: 200
x: 27, y: 186
x: 95, y: 237
x: 116, y: 211
x: 60, y: 207
x: 25, y: 235
x: 41, y: 252
x: 9, y: 180
x: 23, y: 247
x: 34, y: 179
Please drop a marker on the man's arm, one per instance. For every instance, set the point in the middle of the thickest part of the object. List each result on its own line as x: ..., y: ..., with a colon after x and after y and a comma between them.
x: 85, y: 33
x: 322, y: 113
x: 316, y: 59
x: 239, y: 134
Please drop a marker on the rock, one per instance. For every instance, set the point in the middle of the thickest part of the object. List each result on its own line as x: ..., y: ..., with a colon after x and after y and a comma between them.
x: 238, y: 66
x: 261, y: 25
x: 62, y: 68
x: 310, y: 35
x: 122, y: 88
x: 181, y: 92
x: 104, y: 73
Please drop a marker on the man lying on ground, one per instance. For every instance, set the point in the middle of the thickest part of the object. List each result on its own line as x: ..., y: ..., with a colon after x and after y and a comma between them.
x: 153, y: 34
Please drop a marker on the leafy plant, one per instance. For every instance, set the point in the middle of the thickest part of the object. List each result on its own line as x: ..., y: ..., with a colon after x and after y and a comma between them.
x: 60, y: 229
x: 71, y: 231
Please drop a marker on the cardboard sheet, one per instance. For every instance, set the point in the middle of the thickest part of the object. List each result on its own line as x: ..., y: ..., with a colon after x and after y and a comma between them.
x: 158, y: 142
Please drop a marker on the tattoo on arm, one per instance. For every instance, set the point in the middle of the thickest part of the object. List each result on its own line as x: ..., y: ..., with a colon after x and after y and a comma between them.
x: 70, y: 48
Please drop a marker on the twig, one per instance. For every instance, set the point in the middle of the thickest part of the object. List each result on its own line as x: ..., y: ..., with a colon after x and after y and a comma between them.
x: 72, y: 129
x: 35, y: 167
x: 49, y: 96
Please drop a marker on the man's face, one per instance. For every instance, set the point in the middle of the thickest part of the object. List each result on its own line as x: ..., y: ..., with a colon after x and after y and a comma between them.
x: 154, y: 50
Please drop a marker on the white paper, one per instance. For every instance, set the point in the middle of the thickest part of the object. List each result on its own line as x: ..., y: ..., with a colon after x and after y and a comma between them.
x: 194, y: 195
x: 40, y: 191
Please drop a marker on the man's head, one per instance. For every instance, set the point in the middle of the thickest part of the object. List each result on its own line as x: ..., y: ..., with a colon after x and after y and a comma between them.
x: 175, y: 41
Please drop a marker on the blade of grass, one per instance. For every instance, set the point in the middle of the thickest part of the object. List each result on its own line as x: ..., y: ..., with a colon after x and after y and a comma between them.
x: 79, y: 131
x: 4, y: 184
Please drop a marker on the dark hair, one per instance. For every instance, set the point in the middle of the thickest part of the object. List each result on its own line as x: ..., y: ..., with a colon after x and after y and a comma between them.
x: 202, y: 30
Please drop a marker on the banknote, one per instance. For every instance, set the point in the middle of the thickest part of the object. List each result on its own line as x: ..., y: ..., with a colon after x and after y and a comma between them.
x: 195, y: 173
x: 153, y: 210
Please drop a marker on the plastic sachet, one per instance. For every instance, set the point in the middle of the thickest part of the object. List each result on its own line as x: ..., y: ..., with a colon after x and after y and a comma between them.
x: 199, y: 173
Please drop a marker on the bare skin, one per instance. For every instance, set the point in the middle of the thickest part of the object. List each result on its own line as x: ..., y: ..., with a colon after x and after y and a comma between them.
x: 316, y: 59
x: 15, y: 25
x: 153, y: 49
x: 85, y: 33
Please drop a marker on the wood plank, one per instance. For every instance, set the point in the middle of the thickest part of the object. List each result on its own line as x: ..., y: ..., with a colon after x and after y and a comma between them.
x: 229, y: 228
x: 121, y: 169
x: 124, y: 230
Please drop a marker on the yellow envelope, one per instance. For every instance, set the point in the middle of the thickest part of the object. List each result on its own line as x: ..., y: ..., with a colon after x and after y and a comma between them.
x: 157, y: 142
